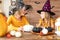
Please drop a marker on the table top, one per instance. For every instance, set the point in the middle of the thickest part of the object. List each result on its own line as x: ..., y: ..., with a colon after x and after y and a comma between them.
x: 30, y: 36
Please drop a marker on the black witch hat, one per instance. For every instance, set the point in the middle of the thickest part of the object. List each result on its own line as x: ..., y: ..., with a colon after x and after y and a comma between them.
x: 46, y: 8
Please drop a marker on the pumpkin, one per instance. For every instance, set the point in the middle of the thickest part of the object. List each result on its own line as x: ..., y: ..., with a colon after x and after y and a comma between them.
x: 37, y: 29
x: 18, y: 34
x: 28, y: 28
x: 3, y: 26
x: 44, y: 31
x: 49, y: 29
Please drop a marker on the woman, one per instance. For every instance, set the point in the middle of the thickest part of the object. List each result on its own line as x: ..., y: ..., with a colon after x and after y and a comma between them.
x: 18, y: 18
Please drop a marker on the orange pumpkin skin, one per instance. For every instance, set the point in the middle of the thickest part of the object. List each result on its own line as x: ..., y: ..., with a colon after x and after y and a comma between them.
x: 3, y: 26
x: 41, y: 34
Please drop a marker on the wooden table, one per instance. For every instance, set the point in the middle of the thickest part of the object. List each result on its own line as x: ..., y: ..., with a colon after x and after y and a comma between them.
x: 30, y: 36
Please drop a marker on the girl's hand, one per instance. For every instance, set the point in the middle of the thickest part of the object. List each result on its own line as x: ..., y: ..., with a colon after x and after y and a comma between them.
x: 37, y: 25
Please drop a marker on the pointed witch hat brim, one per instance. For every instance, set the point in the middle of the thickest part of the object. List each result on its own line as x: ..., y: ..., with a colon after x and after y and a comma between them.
x: 51, y: 13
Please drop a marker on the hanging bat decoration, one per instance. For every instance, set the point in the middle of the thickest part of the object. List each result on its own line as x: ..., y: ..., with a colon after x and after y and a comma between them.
x: 36, y: 2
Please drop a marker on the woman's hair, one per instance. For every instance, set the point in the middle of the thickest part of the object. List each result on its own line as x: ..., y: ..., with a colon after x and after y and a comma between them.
x: 27, y: 7
x: 14, y: 10
x: 2, y: 13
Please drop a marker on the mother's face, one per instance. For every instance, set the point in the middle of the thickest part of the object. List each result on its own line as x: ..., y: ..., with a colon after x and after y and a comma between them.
x: 23, y: 11
x: 17, y: 15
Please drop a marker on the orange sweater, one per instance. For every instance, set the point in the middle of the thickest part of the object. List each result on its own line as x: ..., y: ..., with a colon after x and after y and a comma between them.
x: 16, y: 23
x: 46, y: 24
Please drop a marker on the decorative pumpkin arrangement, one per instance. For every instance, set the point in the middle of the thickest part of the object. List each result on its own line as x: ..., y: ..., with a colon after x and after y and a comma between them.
x: 14, y: 33
x: 40, y: 30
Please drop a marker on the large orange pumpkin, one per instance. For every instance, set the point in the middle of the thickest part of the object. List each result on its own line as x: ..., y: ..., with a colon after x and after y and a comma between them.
x: 3, y: 25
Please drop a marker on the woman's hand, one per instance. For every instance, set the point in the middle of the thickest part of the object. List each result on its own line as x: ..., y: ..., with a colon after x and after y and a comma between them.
x: 20, y: 29
x: 37, y: 25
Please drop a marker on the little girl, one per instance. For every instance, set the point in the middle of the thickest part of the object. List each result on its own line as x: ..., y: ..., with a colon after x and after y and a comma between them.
x: 46, y: 21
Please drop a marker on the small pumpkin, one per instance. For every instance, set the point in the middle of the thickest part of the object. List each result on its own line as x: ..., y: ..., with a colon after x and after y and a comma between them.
x: 49, y: 29
x: 8, y: 35
x: 37, y: 29
x: 44, y: 31
x: 28, y: 28
x: 18, y: 34
x: 41, y: 34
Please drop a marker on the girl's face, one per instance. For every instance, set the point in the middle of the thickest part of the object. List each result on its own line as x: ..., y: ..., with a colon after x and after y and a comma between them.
x: 45, y: 15
x: 42, y: 15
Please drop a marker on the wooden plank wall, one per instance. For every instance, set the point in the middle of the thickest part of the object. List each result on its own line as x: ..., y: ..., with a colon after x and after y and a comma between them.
x: 33, y: 16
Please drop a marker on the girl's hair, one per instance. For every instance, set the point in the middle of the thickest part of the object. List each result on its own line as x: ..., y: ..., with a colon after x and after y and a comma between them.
x: 47, y: 15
